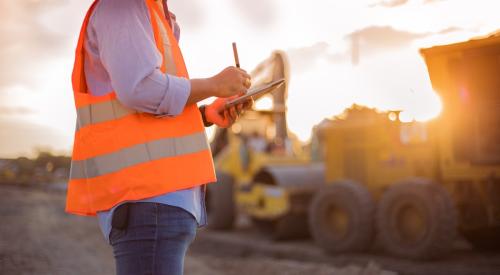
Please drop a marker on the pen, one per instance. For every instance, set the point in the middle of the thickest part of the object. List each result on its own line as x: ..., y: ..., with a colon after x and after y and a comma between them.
x: 235, y: 52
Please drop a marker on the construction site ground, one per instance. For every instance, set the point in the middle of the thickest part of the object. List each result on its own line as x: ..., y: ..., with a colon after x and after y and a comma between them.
x: 38, y: 237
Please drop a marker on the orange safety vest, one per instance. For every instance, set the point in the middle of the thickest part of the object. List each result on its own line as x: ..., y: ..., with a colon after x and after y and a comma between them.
x: 120, y: 154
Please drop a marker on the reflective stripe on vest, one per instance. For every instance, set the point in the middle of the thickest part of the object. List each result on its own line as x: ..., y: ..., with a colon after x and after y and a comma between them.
x: 120, y: 154
x: 101, y: 112
x: 141, y: 153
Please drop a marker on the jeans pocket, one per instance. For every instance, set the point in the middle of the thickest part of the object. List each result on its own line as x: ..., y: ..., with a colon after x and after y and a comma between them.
x: 115, y: 235
x: 119, y: 222
x: 120, y: 217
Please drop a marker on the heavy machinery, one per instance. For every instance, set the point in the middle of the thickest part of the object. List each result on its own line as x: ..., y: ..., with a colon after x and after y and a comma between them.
x: 412, y: 185
x: 259, y: 138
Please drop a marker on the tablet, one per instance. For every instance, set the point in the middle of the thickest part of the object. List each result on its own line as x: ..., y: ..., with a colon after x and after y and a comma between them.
x: 266, y: 88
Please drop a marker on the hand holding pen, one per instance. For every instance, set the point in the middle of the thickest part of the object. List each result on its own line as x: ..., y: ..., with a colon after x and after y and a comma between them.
x: 217, y: 112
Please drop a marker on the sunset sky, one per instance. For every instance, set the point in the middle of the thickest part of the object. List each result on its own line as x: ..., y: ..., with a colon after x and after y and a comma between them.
x: 38, y: 37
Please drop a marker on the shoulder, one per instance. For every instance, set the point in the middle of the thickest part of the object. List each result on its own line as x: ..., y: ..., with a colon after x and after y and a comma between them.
x: 108, y: 12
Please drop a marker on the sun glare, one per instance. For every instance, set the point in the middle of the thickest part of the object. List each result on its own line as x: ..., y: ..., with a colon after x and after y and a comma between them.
x: 264, y: 104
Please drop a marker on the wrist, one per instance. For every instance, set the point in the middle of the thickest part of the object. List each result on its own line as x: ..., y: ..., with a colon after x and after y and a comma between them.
x: 206, y: 123
x: 212, y: 86
x: 201, y: 89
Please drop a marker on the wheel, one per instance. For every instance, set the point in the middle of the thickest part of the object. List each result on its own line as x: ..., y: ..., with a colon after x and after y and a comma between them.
x: 485, y: 238
x: 416, y: 219
x: 341, y: 217
x: 290, y: 226
x: 220, y: 203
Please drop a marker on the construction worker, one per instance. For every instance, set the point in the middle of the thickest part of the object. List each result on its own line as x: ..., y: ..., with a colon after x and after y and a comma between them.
x: 140, y: 158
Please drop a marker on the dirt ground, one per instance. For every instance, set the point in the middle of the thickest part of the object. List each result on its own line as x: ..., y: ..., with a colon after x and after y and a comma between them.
x: 37, y: 237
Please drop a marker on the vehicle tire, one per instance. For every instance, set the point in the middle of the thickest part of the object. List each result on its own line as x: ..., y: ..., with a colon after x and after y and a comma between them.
x: 220, y: 203
x: 416, y: 219
x: 341, y: 217
x: 290, y: 226
x: 485, y: 238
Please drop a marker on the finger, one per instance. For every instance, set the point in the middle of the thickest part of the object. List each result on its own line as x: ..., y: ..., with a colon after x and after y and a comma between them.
x: 225, y: 122
x: 230, y: 119
x: 247, y: 83
x: 249, y: 103
x: 245, y: 74
x: 237, y: 114
x: 232, y: 112
x: 219, y: 117
x: 227, y: 113
x: 239, y: 108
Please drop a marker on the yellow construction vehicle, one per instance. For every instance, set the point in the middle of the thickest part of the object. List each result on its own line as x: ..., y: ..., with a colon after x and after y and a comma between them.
x: 412, y: 185
x: 259, y: 138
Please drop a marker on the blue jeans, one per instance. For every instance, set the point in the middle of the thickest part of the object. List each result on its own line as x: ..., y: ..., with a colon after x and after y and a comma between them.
x: 154, y: 240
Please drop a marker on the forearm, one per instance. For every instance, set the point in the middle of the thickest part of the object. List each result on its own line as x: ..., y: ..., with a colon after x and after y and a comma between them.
x: 201, y: 89
x: 229, y: 82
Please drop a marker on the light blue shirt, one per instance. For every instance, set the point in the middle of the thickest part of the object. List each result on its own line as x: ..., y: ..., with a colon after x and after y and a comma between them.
x: 122, y: 57
x: 191, y: 200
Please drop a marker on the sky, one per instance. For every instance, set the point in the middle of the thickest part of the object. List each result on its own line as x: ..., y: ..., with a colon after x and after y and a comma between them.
x: 38, y: 37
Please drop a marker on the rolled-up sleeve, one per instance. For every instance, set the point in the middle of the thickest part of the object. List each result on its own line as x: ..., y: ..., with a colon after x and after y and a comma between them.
x: 128, y: 52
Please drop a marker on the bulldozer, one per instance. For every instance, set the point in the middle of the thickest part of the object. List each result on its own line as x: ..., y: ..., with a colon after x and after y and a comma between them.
x: 410, y: 187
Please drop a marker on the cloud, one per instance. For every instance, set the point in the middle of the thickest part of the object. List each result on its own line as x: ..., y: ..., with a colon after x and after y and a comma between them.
x: 25, y: 40
x: 449, y: 30
x: 384, y: 37
x: 305, y: 57
x: 261, y: 13
x: 376, y: 38
x: 366, y: 41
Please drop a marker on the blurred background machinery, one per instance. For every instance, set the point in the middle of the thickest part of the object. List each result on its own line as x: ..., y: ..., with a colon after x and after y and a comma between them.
x: 258, y: 140
x: 368, y: 176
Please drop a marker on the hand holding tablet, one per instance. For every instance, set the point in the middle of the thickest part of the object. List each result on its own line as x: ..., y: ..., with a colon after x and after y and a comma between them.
x: 256, y: 91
